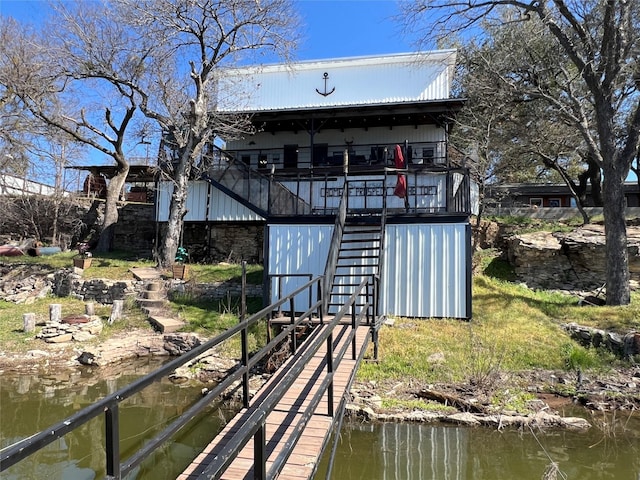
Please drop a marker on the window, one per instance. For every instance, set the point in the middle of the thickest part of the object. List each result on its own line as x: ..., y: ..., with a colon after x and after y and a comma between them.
x: 555, y: 202
x: 291, y: 156
x: 320, y: 153
x: 262, y: 160
x: 246, y: 159
x: 535, y: 202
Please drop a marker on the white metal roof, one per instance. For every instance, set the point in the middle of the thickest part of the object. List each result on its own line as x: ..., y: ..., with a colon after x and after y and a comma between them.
x: 397, y: 78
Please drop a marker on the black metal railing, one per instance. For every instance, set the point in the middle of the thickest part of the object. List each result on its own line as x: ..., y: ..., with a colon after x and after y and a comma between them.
x: 334, y: 246
x: 116, y: 469
x: 255, y: 422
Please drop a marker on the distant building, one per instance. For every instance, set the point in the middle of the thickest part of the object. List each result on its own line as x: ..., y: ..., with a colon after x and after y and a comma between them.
x: 12, y: 185
x: 539, y: 195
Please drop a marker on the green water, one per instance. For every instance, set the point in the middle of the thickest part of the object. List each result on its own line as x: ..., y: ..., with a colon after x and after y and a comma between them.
x: 439, y: 452
x: 30, y: 403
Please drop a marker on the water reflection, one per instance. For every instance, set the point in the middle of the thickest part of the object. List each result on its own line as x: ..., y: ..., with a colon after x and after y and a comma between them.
x: 442, y: 452
x: 29, y: 403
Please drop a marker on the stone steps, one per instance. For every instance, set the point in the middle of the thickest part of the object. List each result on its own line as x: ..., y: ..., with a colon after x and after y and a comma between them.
x: 153, y: 302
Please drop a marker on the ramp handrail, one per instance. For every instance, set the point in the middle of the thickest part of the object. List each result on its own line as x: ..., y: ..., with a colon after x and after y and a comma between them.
x: 254, y: 424
x: 109, y: 405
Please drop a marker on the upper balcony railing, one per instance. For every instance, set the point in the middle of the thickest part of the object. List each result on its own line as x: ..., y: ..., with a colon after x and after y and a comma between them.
x: 426, y: 185
x: 327, y: 158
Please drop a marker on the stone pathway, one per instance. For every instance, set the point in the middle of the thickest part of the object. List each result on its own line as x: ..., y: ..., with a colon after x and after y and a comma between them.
x: 153, y: 301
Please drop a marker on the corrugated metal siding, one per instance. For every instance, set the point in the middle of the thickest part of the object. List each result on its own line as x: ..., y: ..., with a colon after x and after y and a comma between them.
x: 221, y: 206
x: 357, y: 81
x: 299, y: 249
x: 425, y: 272
x: 197, y: 193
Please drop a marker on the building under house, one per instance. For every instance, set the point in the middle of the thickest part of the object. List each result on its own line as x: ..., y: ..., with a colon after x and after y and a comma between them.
x: 350, y: 175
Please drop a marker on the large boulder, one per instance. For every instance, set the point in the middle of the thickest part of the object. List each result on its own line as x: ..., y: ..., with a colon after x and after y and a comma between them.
x: 568, y: 260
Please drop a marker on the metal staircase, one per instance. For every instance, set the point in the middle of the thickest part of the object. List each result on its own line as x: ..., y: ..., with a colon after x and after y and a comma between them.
x: 257, y: 191
x: 357, y: 254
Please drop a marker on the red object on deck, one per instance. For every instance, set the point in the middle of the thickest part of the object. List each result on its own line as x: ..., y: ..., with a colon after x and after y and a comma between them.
x: 401, y: 186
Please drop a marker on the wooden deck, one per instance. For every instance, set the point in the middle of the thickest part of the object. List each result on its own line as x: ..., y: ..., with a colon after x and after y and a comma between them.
x: 307, y: 452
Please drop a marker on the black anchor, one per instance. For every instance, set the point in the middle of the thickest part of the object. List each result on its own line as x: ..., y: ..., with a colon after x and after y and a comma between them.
x: 325, y: 93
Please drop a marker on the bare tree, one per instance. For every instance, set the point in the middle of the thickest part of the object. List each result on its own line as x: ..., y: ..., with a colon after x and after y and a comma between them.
x: 195, y: 40
x: 51, y: 74
x: 600, y: 39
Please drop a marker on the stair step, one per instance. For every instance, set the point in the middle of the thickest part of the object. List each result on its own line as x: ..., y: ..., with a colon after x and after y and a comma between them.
x: 151, y: 303
x: 341, y: 257
x: 152, y: 295
x: 360, y: 249
x: 166, y: 324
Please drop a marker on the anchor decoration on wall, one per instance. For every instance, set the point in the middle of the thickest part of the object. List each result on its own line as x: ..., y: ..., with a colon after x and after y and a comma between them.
x: 325, y: 93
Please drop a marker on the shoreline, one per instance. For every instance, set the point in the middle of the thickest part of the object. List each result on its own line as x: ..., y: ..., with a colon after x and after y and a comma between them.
x: 618, y: 389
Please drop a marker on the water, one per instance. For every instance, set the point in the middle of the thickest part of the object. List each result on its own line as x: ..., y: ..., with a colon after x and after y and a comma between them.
x: 443, y: 452
x: 30, y: 403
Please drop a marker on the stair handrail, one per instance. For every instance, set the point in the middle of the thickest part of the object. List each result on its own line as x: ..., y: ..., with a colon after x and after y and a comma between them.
x: 275, y: 188
x: 334, y: 247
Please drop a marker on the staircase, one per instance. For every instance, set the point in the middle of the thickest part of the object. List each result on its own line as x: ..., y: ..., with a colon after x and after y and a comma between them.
x: 255, y: 190
x: 153, y: 301
x: 358, y: 258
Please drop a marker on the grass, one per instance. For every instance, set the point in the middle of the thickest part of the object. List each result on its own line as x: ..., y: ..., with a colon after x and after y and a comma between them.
x: 205, y: 317
x: 13, y: 339
x: 513, y: 329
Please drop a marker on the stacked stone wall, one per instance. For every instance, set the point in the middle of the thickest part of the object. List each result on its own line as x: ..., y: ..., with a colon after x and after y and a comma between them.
x: 228, y: 242
x: 66, y: 283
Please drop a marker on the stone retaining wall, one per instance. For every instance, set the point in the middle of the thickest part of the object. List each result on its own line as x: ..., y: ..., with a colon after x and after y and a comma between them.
x: 216, y: 290
x: 66, y: 283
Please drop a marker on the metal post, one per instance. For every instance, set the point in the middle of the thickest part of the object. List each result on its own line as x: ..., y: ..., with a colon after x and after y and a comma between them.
x: 260, y: 454
x: 112, y: 441
x: 245, y: 365
x: 294, y: 342
x: 353, y: 326
x: 243, y: 301
x: 330, y: 371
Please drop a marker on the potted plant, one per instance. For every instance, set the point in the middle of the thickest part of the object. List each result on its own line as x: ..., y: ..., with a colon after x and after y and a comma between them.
x: 180, y: 268
x: 83, y: 259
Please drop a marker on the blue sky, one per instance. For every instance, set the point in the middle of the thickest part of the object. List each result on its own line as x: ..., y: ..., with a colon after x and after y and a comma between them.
x: 333, y: 28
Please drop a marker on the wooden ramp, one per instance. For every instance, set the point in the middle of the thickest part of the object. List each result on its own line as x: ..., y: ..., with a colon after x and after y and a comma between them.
x: 305, y: 455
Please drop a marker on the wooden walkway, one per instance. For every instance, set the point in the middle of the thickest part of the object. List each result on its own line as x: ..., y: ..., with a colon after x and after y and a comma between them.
x: 281, y: 422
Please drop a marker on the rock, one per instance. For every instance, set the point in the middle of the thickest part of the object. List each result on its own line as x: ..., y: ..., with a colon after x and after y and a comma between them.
x: 82, y: 336
x: 179, y: 343
x: 463, y: 418
x: 67, y: 337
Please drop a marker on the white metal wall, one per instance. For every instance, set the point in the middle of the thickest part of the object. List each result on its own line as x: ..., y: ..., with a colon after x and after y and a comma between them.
x: 425, y: 271
x: 356, y: 81
x: 221, y: 207
x: 297, y: 249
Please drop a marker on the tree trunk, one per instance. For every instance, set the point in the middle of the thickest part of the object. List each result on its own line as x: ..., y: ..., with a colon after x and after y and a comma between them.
x: 177, y: 211
x: 617, y: 255
x: 114, y: 187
